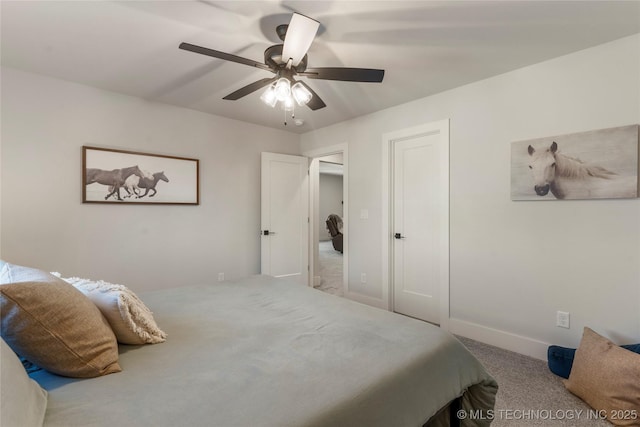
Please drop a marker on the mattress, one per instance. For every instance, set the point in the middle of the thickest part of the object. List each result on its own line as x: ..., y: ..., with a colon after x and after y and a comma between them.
x: 265, y: 352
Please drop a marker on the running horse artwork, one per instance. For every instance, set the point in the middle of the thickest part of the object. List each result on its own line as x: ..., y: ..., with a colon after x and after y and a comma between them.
x: 134, y: 184
x: 569, y: 178
x: 114, y: 179
x: 150, y: 184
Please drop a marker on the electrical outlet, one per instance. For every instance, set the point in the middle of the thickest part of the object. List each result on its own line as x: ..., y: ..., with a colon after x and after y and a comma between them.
x: 363, y: 277
x: 562, y: 319
x: 220, y: 277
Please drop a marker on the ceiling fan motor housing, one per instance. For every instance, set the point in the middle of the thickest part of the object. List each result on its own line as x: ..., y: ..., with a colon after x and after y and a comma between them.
x: 273, y: 58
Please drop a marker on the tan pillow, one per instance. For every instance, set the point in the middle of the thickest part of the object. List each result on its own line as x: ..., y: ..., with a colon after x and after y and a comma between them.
x: 607, y: 377
x: 52, y: 324
x: 130, y: 319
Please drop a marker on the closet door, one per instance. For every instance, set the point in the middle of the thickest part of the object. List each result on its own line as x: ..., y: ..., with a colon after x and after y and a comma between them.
x: 419, y: 224
x: 285, y: 217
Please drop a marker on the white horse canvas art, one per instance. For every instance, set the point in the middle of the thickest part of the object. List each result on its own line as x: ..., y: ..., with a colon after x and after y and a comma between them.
x: 600, y: 164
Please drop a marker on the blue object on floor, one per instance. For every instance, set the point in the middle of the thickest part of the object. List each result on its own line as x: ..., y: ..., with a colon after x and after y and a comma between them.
x: 561, y: 358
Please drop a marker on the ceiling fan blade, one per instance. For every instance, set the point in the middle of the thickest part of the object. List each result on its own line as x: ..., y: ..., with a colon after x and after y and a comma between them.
x: 315, y: 103
x: 222, y: 55
x: 367, y: 75
x: 244, y: 91
x: 300, y: 34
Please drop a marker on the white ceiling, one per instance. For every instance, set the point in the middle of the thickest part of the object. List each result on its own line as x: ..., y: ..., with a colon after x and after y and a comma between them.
x: 426, y: 47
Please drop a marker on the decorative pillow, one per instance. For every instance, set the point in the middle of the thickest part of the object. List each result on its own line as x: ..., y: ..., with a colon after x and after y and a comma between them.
x: 52, y: 324
x: 607, y: 377
x: 129, y: 317
x: 23, y: 400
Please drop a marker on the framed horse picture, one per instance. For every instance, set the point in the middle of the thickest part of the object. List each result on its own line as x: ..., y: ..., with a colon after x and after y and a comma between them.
x: 599, y: 164
x: 130, y: 177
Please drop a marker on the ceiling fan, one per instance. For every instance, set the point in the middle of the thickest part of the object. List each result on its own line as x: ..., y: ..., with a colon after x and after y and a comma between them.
x: 287, y: 61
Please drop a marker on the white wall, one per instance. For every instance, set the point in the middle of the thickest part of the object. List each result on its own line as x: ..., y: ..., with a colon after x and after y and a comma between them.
x: 514, y: 264
x: 330, y: 202
x: 45, y: 122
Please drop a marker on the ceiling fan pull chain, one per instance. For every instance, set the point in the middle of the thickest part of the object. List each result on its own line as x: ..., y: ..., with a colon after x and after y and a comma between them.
x: 293, y: 113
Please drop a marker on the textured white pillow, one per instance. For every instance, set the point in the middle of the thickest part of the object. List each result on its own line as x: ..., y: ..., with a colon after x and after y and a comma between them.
x: 131, y: 320
x: 24, y: 402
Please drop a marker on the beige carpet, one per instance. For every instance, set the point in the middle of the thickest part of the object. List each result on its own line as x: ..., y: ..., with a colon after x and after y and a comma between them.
x: 529, y: 394
x: 330, y: 269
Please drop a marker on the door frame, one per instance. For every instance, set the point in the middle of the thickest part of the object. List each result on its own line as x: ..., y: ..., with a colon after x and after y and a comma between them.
x: 388, y: 139
x: 313, y: 217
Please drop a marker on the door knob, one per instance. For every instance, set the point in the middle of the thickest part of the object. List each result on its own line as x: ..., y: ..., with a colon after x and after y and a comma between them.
x: 267, y: 232
x: 398, y: 236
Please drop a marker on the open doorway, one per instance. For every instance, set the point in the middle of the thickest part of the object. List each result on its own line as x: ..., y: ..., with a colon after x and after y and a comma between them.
x: 330, y: 224
x: 329, y: 241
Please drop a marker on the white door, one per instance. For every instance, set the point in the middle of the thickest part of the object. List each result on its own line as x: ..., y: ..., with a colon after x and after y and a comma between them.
x: 420, y: 227
x: 284, y: 217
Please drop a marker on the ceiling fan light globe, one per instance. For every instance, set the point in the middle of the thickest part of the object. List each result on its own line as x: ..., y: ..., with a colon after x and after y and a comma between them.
x: 269, y: 96
x: 287, y: 104
x: 301, y: 94
x: 283, y: 89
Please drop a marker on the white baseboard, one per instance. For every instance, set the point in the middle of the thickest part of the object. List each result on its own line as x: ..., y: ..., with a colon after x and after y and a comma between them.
x: 364, y: 299
x: 506, y: 340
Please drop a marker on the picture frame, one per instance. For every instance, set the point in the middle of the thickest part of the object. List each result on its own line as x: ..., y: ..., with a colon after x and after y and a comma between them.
x: 130, y: 177
x: 597, y: 164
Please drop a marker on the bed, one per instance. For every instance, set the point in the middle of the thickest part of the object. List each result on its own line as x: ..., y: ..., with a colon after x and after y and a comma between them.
x: 265, y: 352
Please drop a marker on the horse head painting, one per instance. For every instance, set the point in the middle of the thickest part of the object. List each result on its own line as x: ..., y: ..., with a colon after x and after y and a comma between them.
x: 114, y: 179
x: 569, y: 178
